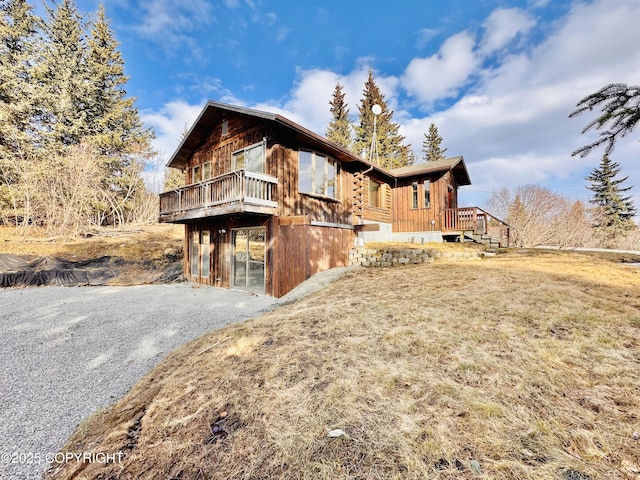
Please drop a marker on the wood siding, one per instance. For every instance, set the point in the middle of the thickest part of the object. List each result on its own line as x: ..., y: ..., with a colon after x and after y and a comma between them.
x: 292, y: 252
x: 217, y: 148
x: 409, y: 219
x: 382, y: 213
x: 302, y: 250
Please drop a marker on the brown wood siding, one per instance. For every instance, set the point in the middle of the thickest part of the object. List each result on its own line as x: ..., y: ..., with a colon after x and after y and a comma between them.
x: 293, y: 252
x: 284, y: 166
x: 217, y: 149
x: 384, y: 212
x: 409, y: 219
x: 302, y: 250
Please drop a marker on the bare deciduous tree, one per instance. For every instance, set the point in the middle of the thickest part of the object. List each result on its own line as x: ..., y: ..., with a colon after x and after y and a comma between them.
x: 542, y: 217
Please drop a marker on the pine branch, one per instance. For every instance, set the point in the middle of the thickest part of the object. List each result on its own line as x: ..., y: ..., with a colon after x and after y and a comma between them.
x: 620, y: 107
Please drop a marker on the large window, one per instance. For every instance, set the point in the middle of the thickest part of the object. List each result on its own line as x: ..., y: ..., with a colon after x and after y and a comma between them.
x: 251, y: 158
x: 318, y: 174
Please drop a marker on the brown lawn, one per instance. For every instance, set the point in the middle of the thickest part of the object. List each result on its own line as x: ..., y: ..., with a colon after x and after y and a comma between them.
x: 521, y: 366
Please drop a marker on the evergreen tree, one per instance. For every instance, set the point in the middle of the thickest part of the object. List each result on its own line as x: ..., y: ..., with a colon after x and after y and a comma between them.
x: 66, y: 78
x: 339, y: 130
x: 113, y: 122
x: 18, y: 92
x: 392, y: 153
x: 431, y: 145
x: 18, y: 40
x: 614, y: 211
x: 620, y: 107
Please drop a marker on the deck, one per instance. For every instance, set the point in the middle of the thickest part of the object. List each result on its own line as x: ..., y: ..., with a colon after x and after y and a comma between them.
x: 235, y: 192
x: 476, y: 224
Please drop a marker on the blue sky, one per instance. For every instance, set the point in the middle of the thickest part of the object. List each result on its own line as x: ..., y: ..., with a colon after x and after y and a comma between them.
x: 498, y: 77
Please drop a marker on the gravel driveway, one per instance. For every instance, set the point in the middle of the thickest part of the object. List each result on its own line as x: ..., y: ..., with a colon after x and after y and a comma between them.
x: 67, y: 351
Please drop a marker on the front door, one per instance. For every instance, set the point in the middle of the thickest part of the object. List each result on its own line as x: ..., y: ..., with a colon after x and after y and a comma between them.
x: 248, y: 259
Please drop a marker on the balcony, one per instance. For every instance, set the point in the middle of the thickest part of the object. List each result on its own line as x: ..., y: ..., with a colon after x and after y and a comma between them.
x: 240, y: 191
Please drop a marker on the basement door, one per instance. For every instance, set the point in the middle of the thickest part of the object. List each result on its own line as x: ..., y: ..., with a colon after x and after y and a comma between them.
x: 200, y: 250
x: 248, y: 259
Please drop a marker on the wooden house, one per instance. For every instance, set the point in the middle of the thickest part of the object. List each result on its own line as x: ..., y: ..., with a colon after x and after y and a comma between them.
x: 267, y: 203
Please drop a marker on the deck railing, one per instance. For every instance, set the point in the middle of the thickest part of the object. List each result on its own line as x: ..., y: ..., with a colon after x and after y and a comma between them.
x: 476, y: 220
x: 237, y: 187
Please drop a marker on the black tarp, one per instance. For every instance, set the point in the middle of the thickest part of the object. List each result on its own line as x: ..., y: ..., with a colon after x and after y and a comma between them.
x: 30, y: 270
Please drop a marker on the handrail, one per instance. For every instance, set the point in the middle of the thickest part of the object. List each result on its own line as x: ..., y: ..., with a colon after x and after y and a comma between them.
x: 239, y: 186
x: 476, y: 220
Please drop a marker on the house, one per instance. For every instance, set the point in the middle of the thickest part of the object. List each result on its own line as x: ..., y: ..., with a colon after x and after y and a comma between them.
x: 267, y: 203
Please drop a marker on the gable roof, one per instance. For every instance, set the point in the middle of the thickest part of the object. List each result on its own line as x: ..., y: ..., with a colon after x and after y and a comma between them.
x: 454, y: 164
x: 213, y: 112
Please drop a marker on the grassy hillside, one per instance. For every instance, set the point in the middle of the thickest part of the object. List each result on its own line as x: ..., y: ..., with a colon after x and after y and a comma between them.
x: 522, y: 366
x: 142, y: 253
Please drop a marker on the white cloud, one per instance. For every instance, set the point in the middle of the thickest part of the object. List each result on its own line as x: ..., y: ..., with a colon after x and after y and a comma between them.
x: 424, y: 36
x: 169, y: 124
x: 513, y: 126
x: 165, y: 17
x: 442, y: 74
x: 502, y: 26
x: 170, y: 24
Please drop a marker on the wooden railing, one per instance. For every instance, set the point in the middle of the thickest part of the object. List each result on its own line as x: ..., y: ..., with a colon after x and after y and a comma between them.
x: 476, y: 220
x: 239, y: 187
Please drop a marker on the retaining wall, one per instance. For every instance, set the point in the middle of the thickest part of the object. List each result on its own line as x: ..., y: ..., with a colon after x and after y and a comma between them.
x: 368, y: 257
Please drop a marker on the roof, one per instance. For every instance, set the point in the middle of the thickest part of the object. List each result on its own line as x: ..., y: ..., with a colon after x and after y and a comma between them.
x: 213, y: 112
x: 454, y: 164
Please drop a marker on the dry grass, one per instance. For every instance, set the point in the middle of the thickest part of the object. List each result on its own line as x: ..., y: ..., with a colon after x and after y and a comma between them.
x: 142, y: 252
x: 432, y: 246
x: 523, y: 366
x: 136, y: 243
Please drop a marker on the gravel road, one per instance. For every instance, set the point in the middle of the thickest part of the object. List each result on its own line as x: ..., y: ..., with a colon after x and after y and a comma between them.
x: 67, y: 351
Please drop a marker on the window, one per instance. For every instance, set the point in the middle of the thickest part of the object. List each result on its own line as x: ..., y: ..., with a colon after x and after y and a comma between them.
x: 250, y: 158
x: 318, y: 174
x: 374, y: 194
x: 206, y: 171
x: 427, y: 193
x: 414, y: 195
x: 197, y: 174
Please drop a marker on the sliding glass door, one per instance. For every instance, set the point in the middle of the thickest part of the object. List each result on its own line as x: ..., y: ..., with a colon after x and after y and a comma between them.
x: 249, y: 259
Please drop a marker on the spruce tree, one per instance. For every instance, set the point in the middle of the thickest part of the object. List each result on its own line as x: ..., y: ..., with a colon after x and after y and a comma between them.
x: 113, y: 122
x: 392, y: 153
x: 339, y: 130
x: 614, y: 211
x: 65, y: 77
x: 18, y: 111
x: 431, y: 145
x: 18, y: 43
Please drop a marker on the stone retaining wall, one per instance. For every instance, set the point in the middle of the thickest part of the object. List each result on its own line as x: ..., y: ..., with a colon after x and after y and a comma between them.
x: 368, y: 257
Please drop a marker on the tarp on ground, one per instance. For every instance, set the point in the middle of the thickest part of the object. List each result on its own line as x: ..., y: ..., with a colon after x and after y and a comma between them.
x: 31, y: 271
